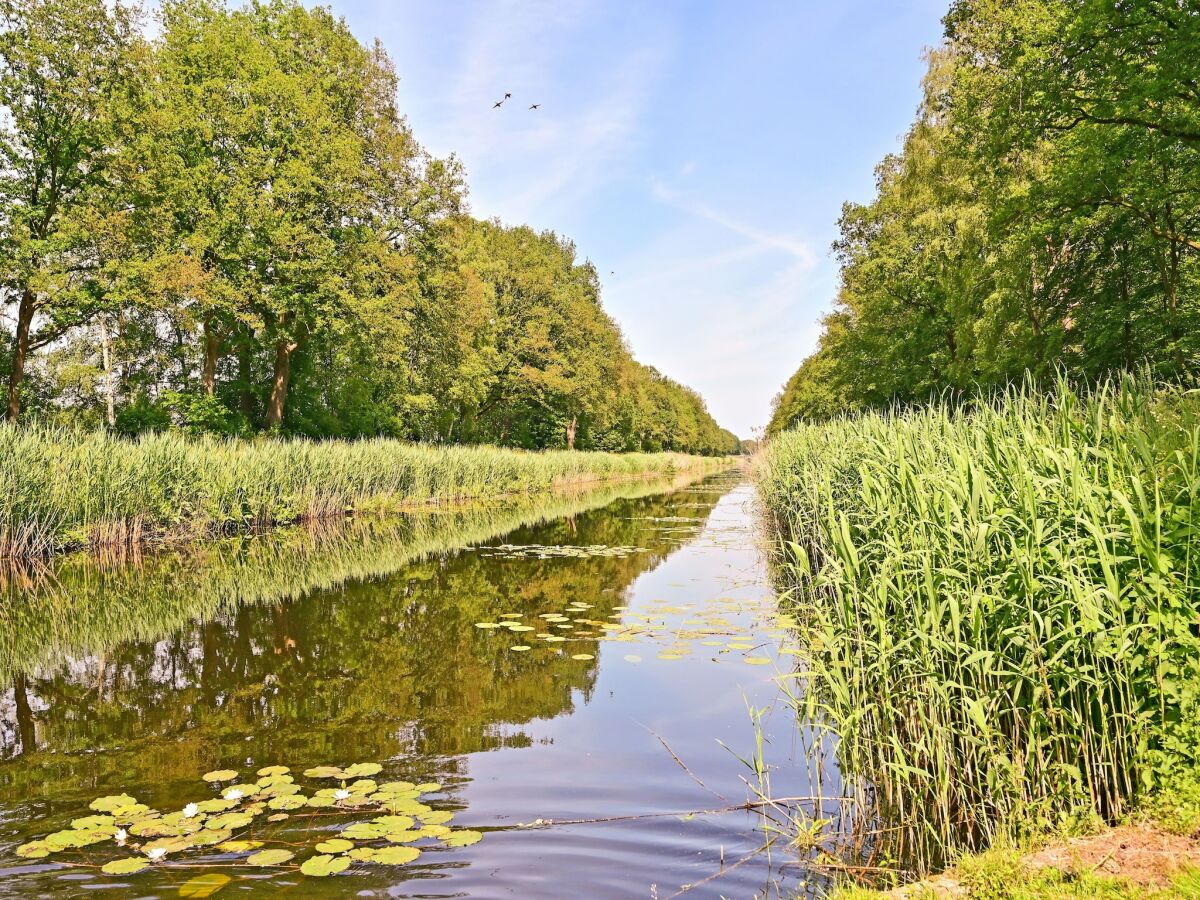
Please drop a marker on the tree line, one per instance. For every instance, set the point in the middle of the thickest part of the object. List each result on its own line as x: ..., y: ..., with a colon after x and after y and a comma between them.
x: 229, y: 227
x: 1043, y: 214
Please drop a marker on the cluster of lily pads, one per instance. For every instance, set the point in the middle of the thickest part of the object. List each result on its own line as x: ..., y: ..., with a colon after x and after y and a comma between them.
x: 236, y: 823
x: 676, y: 627
x: 547, y: 551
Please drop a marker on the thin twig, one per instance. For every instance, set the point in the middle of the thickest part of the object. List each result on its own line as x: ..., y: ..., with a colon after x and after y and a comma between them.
x: 723, y: 871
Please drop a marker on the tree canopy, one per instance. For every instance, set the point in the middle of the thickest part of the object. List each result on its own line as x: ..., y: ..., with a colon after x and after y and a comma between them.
x: 231, y: 227
x: 1042, y: 215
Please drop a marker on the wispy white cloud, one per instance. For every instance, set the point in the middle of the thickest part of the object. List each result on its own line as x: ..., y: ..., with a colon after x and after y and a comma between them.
x: 783, y: 242
x: 525, y: 164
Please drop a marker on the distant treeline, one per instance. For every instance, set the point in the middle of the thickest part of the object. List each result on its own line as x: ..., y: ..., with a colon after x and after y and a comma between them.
x: 1043, y: 214
x: 230, y: 227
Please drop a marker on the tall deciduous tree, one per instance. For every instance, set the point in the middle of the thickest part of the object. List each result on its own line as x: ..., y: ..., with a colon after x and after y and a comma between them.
x: 65, y: 76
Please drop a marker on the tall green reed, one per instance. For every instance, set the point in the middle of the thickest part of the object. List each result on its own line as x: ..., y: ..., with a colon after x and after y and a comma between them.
x: 1001, y: 604
x: 61, y: 488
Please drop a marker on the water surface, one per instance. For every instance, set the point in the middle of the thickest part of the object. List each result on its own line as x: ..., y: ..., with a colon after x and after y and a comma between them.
x: 361, y: 644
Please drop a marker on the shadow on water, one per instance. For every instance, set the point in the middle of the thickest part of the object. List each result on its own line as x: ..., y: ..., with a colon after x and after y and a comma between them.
x: 359, y: 643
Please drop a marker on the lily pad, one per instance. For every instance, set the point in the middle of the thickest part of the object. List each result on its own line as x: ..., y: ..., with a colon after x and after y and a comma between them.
x: 436, y: 817
x: 273, y: 770
x: 232, y: 820
x: 394, y: 856
x: 114, y: 802
x: 34, y: 850
x: 394, y: 823
x: 364, y: 831
x: 582, y: 656
x: 126, y: 866
x: 463, y: 838
x: 334, y: 845
x: 429, y: 787
x: 487, y: 624
x: 362, y: 854
x: 520, y: 648
x: 206, y: 837
x: 204, y: 885
x: 269, y: 857
x: 238, y: 846
x: 363, y: 770
x: 324, y: 772
x: 90, y: 823
x: 324, y: 866
x: 216, y: 804
x: 319, y: 802
x: 219, y: 775
x: 363, y: 786
x: 287, y: 802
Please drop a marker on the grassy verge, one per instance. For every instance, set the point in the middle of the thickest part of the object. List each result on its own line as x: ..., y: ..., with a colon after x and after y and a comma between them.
x: 62, y: 489
x: 1000, y: 604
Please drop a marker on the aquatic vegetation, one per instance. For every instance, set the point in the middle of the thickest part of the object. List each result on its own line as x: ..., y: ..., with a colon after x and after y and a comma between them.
x: 234, y: 827
x: 61, y: 488
x: 998, y: 604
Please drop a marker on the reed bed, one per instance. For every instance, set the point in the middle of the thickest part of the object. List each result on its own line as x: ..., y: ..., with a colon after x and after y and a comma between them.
x: 1001, y: 606
x: 62, y: 489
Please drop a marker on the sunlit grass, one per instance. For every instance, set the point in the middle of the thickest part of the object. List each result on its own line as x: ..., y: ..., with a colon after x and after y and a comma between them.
x: 1000, y: 603
x: 61, y: 488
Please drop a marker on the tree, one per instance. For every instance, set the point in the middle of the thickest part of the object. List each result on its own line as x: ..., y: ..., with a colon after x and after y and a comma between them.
x: 65, y: 74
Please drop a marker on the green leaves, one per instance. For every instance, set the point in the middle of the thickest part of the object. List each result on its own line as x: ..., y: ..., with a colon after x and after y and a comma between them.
x: 324, y: 866
x: 220, y: 775
x: 129, y: 865
x: 463, y: 838
x: 269, y: 857
x: 394, y: 856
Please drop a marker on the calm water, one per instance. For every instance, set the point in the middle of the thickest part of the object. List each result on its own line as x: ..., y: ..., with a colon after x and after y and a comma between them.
x: 362, y: 644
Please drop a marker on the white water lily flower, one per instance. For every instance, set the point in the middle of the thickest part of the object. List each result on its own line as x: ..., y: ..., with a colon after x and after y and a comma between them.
x: 190, y: 810
x: 233, y: 794
x: 157, y: 853
x: 341, y: 794
x: 121, y: 835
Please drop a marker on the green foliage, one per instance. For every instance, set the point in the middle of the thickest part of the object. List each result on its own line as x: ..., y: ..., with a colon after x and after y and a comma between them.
x: 61, y: 488
x: 247, y: 236
x: 1043, y: 214
x: 1000, y: 602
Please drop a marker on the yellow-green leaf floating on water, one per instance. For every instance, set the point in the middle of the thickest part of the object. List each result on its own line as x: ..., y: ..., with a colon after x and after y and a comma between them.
x: 324, y: 866
x: 463, y: 838
x: 270, y: 857
x: 335, y: 845
x: 127, y: 866
x: 220, y: 775
x: 394, y: 856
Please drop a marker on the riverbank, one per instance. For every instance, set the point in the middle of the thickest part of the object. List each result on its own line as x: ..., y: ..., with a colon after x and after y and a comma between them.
x: 63, y: 489
x: 998, y: 603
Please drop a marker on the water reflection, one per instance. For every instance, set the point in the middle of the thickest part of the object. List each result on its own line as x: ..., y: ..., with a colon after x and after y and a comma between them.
x: 360, y: 644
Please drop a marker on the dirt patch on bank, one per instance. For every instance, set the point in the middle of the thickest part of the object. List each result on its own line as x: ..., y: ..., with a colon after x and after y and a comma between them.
x: 1141, y: 855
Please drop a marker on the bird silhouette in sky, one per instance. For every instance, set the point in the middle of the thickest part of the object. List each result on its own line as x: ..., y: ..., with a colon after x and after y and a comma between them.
x: 507, y: 96
x: 536, y: 106
x: 497, y: 104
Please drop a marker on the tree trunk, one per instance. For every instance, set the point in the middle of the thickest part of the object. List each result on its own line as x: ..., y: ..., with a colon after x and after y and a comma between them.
x: 279, y: 383
x: 571, y: 432
x: 245, y: 395
x: 212, y: 346
x: 20, y: 351
x: 110, y: 386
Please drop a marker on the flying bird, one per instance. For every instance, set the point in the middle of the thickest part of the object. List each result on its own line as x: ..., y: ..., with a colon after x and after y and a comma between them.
x: 497, y: 104
x: 506, y: 96
x: 536, y: 106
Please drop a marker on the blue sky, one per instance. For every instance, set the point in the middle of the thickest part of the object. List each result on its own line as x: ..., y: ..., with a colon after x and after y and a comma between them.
x: 699, y: 151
